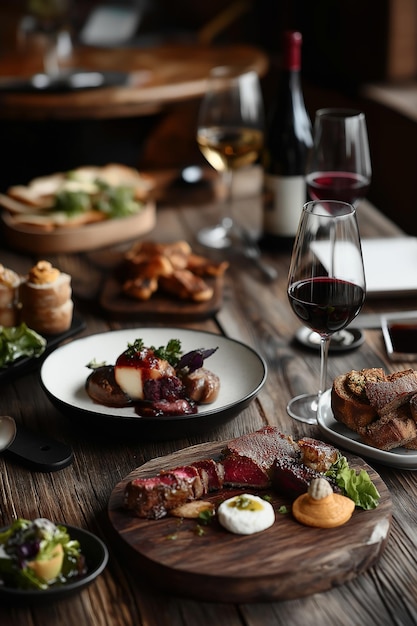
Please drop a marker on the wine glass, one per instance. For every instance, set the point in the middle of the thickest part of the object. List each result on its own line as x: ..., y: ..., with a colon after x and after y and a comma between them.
x: 339, y: 168
x: 326, y: 282
x: 339, y: 164
x: 230, y: 136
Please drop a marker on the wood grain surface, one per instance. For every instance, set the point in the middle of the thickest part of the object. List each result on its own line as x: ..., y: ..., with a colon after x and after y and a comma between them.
x: 286, y: 561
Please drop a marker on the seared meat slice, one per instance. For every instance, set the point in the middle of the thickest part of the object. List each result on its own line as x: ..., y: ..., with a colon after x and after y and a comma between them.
x: 153, y: 497
x: 258, y: 460
x: 211, y: 474
x: 291, y: 478
x: 190, y: 475
x: 241, y: 471
x: 317, y: 454
x: 262, y: 447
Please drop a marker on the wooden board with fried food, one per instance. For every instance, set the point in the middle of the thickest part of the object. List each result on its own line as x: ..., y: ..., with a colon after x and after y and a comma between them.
x: 164, y: 281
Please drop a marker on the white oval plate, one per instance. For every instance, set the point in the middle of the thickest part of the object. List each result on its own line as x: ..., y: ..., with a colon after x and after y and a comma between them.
x: 241, y: 370
x: 343, y: 437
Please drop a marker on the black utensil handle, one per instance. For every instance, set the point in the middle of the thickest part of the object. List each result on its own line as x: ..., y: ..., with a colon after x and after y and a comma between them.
x: 38, y: 451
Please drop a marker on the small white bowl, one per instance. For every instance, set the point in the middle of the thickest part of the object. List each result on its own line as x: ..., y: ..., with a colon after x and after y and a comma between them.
x: 400, y: 336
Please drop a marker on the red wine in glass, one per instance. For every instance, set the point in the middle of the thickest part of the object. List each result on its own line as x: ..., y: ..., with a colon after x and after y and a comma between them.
x: 326, y: 305
x: 326, y: 283
x: 344, y: 186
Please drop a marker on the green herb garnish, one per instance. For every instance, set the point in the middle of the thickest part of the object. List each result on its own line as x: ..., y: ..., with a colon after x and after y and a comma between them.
x: 356, y: 485
x: 171, y: 352
x: 206, y: 516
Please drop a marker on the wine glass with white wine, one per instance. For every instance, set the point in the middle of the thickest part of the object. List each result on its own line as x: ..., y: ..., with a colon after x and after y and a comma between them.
x: 230, y: 135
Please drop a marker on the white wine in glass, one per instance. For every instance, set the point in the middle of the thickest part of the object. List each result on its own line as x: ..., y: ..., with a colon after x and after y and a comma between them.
x: 326, y: 282
x: 230, y: 136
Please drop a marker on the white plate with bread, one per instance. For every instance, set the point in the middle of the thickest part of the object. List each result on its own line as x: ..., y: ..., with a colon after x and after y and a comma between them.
x: 345, y: 438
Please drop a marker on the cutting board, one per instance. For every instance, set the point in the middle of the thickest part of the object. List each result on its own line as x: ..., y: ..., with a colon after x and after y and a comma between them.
x: 284, y: 562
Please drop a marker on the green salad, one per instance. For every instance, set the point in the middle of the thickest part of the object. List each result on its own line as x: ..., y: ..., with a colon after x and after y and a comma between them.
x: 38, y: 554
x: 19, y: 341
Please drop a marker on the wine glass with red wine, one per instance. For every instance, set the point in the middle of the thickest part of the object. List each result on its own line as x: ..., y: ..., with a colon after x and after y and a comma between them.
x: 326, y: 282
x: 230, y: 135
x: 339, y: 164
x: 339, y: 168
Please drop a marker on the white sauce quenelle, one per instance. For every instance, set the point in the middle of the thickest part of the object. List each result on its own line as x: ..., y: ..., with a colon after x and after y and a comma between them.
x: 246, y: 514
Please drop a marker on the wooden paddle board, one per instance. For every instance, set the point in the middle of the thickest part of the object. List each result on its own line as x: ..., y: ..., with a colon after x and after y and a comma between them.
x: 160, y: 307
x: 286, y: 561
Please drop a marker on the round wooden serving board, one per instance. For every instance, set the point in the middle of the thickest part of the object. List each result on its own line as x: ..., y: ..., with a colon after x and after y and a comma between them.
x: 79, y: 239
x: 283, y: 562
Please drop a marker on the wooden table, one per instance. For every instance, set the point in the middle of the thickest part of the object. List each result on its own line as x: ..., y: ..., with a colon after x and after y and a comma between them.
x: 56, y: 131
x: 259, y: 315
x: 155, y: 78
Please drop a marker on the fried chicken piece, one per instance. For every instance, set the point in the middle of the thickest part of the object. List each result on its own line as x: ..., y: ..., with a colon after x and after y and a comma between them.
x: 186, y: 285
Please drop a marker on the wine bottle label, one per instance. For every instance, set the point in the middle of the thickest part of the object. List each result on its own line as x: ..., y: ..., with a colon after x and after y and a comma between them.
x: 285, y: 197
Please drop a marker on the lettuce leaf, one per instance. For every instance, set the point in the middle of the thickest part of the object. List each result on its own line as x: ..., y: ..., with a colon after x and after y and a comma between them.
x: 19, y: 341
x: 356, y: 485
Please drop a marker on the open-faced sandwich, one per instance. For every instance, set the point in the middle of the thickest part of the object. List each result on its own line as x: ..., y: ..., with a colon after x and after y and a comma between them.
x: 81, y: 196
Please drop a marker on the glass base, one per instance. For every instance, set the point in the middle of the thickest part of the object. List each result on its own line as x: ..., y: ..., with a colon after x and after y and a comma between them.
x: 214, y: 237
x: 304, y: 408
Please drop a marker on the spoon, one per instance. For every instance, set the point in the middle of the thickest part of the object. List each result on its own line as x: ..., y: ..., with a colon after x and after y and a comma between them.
x: 7, y: 431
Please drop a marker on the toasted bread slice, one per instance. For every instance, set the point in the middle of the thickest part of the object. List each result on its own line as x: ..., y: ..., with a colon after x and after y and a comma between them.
x: 397, y: 389
x: 396, y: 428
x: 349, y: 402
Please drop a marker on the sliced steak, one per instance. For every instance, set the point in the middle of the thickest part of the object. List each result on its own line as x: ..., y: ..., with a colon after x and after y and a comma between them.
x: 211, y: 474
x: 241, y: 471
x: 153, y: 497
x: 262, y: 447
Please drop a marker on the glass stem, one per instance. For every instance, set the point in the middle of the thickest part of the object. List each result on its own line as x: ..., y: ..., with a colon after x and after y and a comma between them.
x: 227, y: 219
x: 324, y: 353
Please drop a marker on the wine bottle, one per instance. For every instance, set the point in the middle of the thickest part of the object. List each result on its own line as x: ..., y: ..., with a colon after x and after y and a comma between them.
x: 287, y: 143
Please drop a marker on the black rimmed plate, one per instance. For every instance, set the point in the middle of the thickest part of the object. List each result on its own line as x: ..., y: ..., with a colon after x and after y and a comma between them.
x: 343, y: 437
x: 241, y: 370
x: 96, y: 556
